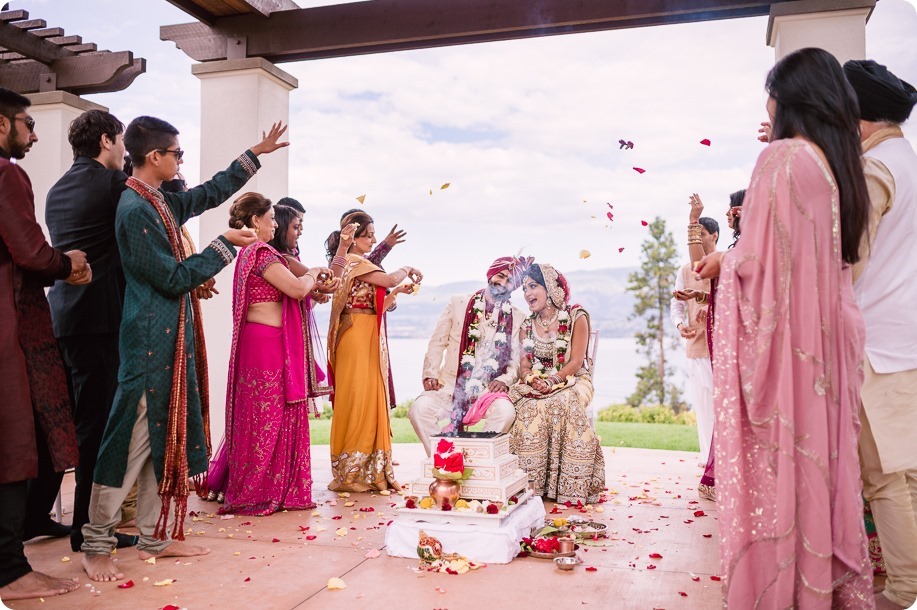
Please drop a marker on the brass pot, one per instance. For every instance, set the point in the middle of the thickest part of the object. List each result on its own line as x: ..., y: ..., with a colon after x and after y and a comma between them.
x: 444, y: 489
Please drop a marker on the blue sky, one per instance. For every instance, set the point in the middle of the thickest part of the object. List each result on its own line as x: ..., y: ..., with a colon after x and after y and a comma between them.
x: 525, y: 132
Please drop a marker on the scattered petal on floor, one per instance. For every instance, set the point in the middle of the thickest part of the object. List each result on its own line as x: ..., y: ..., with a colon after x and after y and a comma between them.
x: 166, y: 582
x: 336, y: 584
x: 372, y: 553
x: 126, y: 585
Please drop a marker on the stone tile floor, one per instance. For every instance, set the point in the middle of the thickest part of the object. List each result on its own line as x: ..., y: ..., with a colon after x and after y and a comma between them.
x: 268, y: 562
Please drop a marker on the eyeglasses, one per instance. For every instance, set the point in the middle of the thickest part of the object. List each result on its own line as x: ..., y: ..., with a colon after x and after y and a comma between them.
x: 29, y: 122
x: 179, y: 153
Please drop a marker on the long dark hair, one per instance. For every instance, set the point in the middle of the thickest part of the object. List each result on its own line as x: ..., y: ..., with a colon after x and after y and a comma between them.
x: 735, y: 201
x: 361, y: 218
x: 284, y: 217
x: 815, y: 101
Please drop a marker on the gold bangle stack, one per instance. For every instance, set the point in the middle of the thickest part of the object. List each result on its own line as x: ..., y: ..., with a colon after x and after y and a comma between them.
x: 694, y: 233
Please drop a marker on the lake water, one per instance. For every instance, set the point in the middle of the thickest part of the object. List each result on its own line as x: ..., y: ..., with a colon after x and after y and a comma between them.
x: 616, y: 364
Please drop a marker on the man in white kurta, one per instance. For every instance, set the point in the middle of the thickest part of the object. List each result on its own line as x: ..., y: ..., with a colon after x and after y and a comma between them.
x: 431, y: 411
x: 690, y: 318
x: 885, y: 282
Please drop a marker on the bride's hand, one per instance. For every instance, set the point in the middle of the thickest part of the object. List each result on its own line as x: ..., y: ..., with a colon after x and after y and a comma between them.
x: 709, y: 266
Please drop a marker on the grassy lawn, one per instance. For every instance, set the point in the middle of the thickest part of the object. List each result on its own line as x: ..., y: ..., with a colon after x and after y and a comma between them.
x: 614, y: 434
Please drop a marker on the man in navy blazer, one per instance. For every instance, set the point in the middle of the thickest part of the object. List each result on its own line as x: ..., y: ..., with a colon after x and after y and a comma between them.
x: 80, y: 209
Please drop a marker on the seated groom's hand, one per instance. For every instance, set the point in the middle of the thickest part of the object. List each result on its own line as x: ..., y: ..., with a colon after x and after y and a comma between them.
x: 431, y: 385
x: 497, y: 386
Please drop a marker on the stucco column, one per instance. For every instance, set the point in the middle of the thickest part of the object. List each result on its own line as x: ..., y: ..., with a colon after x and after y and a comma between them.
x: 240, y: 99
x: 51, y: 156
x: 838, y: 26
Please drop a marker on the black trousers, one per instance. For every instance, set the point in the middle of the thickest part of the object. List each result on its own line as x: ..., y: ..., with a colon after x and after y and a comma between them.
x: 92, y: 361
x: 42, y: 490
x: 13, y: 564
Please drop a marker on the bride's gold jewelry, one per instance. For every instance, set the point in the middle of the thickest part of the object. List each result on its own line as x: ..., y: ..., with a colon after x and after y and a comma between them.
x: 549, y: 322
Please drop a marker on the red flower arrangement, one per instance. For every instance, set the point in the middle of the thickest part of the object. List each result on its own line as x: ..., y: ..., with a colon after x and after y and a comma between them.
x: 448, y: 463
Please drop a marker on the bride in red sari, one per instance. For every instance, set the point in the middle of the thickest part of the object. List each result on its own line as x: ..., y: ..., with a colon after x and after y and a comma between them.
x: 264, y: 464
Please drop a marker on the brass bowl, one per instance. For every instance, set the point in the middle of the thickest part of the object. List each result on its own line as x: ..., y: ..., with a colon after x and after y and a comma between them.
x: 566, y: 563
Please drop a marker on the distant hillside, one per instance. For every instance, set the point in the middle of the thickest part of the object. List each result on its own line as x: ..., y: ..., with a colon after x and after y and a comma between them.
x: 602, y: 292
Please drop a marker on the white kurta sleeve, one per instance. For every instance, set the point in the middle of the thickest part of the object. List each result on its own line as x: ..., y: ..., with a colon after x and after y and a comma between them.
x: 433, y: 360
x: 679, y: 308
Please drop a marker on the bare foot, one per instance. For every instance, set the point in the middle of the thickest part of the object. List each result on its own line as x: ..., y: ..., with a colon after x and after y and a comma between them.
x: 36, y: 584
x: 883, y: 603
x: 176, y: 549
x: 101, y: 568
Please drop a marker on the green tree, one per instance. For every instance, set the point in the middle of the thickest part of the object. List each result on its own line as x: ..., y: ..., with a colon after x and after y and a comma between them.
x: 652, y: 286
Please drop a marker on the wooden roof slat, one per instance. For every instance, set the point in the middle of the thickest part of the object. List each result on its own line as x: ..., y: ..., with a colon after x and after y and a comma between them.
x: 209, y: 11
x: 65, y: 40
x: 17, y: 15
x: 47, y: 32
x: 11, y: 56
x: 31, y: 24
x: 83, y: 48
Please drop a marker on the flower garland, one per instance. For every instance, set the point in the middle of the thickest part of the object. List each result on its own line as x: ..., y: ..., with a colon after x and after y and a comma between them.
x: 561, y: 344
x: 466, y: 388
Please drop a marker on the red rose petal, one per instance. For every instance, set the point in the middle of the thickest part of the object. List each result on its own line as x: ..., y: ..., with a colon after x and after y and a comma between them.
x: 276, y: 540
x: 247, y: 579
x: 126, y: 585
x: 367, y: 509
x: 695, y: 578
x: 716, y: 578
x: 170, y: 607
x: 592, y: 569
x: 700, y: 513
x: 689, y: 520
x: 655, y: 556
x: 683, y: 594
x: 336, y: 517
x: 620, y: 250
x: 610, y: 206
x: 312, y: 537
x: 644, y: 223
x: 708, y: 535
x: 705, y: 142
x: 639, y: 170
x: 611, y: 216
x: 650, y: 567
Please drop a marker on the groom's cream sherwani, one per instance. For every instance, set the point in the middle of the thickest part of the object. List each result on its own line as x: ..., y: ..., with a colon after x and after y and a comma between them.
x: 431, y: 408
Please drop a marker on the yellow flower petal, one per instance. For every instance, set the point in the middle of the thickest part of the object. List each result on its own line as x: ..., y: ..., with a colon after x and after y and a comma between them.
x: 386, y: 492
x: 341, y: 531
x: 361, y: 198
x: 65, y: 559
x: 349, y: 504
x: 336, y: 584
x: 163, y: 583
x: 445, y: 186
x: 151, y: 561
x: 585, y: 253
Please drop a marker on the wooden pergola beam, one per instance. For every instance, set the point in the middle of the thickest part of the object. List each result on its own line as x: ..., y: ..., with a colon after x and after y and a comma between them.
x: 392, y: 25
x: 79, y: 74
x: 26, y: 43
x: 209, y: 12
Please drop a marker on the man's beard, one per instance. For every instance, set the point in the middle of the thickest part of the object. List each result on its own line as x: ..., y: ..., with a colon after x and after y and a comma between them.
x: 498, y: 292
x: 16, y: 151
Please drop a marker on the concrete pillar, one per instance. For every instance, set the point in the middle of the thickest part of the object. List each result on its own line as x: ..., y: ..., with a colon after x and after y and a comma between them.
x: 240, y: 99
x: 51, y: 156
x: 838, y: 26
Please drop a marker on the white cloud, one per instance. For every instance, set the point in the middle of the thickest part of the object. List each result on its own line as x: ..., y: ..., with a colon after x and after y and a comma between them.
x: 523, y: 130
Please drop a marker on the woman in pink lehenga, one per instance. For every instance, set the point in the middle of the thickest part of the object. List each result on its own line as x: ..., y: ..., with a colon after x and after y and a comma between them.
x: 264, y: 464
x: 788, y: 342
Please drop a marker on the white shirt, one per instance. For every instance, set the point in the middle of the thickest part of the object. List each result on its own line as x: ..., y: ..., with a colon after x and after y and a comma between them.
x: 886, y: 290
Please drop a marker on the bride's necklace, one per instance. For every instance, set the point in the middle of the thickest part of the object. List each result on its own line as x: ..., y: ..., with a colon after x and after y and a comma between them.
x: 549, y: 322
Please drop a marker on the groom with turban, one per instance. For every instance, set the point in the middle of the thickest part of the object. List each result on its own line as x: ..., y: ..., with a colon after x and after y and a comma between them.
x: 472, y: 359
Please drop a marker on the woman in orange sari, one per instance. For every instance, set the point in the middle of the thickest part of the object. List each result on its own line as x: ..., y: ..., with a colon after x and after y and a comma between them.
x: 361, y: 443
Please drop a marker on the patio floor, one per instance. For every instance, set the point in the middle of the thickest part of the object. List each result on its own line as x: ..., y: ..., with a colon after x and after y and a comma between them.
x: 267, y: 562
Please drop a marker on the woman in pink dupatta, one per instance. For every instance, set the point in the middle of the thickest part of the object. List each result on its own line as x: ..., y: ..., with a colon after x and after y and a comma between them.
x: 788, y: 342
x: 263, y: 464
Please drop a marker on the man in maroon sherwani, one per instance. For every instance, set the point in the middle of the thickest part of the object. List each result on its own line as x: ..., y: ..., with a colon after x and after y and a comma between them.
x: 36, y: 426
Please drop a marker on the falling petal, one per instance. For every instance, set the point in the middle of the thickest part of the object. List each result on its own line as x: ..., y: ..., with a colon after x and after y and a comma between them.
x: 639, y: 170
x: 361, y: 198
x: 445, y: 186
x: 611, y: 216
x: 644, y: 223
x: 705, y: 142
x: 620, y: 250
x: 585, y: 253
